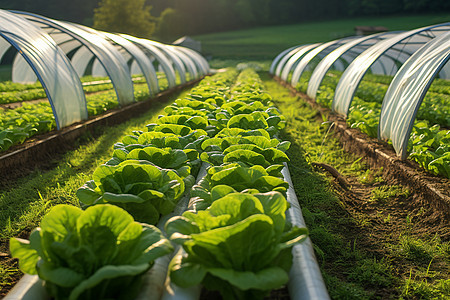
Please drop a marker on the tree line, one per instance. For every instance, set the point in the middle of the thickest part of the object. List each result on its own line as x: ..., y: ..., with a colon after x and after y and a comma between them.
x: 168, y: 19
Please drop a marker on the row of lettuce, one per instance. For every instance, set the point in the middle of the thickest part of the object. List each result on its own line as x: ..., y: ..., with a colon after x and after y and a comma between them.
x: 235, y: 235
x: 429, y: 143
x: 30, y: 119
x: 11, y: 92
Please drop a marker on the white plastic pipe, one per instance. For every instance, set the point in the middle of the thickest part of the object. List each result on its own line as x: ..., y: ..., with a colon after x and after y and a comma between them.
x: 305, y: 279
x: 29, y: 287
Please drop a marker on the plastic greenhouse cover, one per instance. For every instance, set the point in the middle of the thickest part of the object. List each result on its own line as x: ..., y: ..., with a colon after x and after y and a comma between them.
x: 200, y: 61
x: 285, y: 58
x: 407, y: 90
x: 163, y: 61
x: 295, y: 59
x: 189, y: 62
x: 141, y: 59
x: 327, y: 62
x: 52, y: 67
x: 186, y: 60
x: 277, y: 59
x: 301, y: 66
x: 176, y: 61
x: 353, y: 75
x: 106, y: 53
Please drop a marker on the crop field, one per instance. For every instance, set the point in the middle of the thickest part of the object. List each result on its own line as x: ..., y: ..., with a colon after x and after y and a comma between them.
x: 430, y: 139
x: 238, y: 187
x: 32, y: 113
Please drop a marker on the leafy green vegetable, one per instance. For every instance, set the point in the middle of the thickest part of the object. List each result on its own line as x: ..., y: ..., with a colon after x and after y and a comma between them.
x: 94, y: 254
x: 240, y: 246
x: 144, y: 190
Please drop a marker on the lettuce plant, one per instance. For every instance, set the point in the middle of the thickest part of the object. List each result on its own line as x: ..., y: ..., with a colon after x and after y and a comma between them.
x: 176, y: 159
x: 98, y: 253
x: 142, y: 189
x: 240, y: 246
x: 237, y: 177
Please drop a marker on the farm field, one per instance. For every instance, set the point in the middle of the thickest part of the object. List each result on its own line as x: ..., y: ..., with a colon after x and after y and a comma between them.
x: 26, y: 111
x: 202, y: 174
x: 262, y: 44
x: 364, y: 263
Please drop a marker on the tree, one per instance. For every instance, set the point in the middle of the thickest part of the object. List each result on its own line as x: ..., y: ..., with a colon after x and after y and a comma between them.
x: 169, y: 26
x: 125, y: 16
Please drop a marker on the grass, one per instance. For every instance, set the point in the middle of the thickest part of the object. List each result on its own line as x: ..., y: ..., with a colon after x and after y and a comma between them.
x: 368, y: 245
x: 24, y: 202
x: 264, y: 43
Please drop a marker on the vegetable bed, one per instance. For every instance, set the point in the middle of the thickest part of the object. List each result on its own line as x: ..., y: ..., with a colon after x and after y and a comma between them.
x: 234, y: 237
x: 30, y: 119
x: 429, y: 143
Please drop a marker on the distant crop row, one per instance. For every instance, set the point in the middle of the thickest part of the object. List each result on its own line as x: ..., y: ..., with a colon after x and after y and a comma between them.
x: 429, y: 144
x: 20, y: 124
x: 11, y: 92
x: 235, y: 237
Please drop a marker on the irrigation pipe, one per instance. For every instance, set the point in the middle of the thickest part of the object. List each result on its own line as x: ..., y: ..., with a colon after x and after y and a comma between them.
x: 155, y: 280
x: 172, y: 291
x: 305, y: 279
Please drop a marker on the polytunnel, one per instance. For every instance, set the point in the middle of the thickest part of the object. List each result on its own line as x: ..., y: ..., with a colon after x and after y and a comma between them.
x: 178, y: 63
x: 407, y: 90
x: 130, y: 52
x: 401, y: 46
x: 92, y: 45
x: 277, y: 59
x: 347, y: 52
x: 49, y: 64
x: 155, y: 53
x: 291, y: 59
x: 200, y: 61
x: 286, y: 57
x: 138, y: 56
x: 322, y: 50
x: 187, y: 61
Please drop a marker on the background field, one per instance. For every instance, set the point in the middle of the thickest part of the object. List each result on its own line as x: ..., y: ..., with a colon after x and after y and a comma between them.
x: 264, y: 43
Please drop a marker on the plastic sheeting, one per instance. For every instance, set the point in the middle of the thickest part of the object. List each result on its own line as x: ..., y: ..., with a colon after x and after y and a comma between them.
x: 293, y: 60
x: 407, y: 90
x: 353, y: 75
x: 51, y: 65
x: 277, y: 59
x: 327, y: 62
x: 111, y: 59
x: 285, y: 58
x: 200, y: 61
x: 159, y: 56
x: 303, y: 63
x: 176, y: 61
x: 141, y: 59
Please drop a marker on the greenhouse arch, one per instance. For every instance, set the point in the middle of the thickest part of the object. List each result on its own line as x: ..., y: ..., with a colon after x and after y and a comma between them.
x: 407, y: 90
x: 110, y: 58
x: 353, y: 75
x: 50, y: 65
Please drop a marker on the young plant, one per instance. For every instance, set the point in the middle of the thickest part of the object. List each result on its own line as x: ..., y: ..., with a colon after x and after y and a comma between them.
x: 142, y: 189
x: 240, y: 246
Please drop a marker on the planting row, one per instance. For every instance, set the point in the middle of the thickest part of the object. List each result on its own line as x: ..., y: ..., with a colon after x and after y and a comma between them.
x: 382, y: 106
x: 11, y: 92
x: 235, y: 237
x: 429, y: 144
x: 19, y: 124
